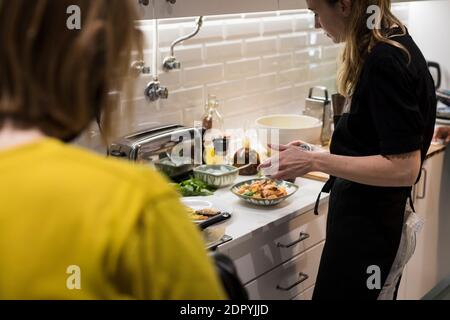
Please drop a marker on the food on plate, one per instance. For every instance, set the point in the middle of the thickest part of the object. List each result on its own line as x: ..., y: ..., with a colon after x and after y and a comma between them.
x: 202, y: 214
x: 263, y: 189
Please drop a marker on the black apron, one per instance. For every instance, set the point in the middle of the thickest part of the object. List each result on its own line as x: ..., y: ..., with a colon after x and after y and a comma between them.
x: 364, y: 227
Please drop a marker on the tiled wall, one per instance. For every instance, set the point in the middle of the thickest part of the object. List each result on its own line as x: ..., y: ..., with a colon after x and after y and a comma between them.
x: 256, y: 64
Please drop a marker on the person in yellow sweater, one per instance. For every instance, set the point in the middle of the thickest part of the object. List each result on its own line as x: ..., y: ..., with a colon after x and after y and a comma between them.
x: 74, y: 225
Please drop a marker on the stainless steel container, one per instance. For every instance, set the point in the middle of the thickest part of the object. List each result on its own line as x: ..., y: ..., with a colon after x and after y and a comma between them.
x: 320, y: 108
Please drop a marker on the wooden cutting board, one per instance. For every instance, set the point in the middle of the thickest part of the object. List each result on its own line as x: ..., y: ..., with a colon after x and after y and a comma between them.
x: 320, y: 176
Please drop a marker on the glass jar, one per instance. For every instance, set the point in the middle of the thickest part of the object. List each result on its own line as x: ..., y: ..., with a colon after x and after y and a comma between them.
x: 212, y: 123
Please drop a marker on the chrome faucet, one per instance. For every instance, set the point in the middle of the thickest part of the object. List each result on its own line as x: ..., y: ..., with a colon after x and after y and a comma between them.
x: 138, y: 67
x: 171, y: 62
x: 154, y: 91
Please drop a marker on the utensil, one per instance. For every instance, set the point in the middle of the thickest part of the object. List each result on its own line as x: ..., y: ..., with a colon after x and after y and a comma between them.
x: 214, y: 220
x: 290, y: 187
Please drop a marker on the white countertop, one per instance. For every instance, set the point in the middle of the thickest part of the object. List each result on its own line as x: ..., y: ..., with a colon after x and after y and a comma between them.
x: 247, y: 218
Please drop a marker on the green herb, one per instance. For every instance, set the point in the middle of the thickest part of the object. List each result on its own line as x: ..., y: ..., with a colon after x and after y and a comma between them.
x: 194, y: 187
x: 249, y: 194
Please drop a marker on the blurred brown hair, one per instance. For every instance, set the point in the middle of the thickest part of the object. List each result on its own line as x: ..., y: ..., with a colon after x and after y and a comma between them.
x: 55, y: 79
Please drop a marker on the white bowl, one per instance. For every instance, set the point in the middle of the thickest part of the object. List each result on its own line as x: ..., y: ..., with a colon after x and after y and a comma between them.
x: 291, y: 127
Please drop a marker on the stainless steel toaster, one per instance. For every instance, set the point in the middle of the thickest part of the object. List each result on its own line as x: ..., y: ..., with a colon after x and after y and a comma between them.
x: 172, y: 149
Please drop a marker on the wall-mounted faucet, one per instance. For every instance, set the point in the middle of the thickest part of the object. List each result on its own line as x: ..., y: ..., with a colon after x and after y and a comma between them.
x: 172, y: 63
x: 138, y: 67
x: 154, y: 91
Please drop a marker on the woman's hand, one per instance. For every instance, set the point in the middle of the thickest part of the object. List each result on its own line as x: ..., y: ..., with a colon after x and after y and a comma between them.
x: 442, y: 133
x: 290, y: 163
x: 299, y: 143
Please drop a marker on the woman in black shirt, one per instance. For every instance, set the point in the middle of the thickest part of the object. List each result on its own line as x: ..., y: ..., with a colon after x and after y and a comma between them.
x: 377, y: 149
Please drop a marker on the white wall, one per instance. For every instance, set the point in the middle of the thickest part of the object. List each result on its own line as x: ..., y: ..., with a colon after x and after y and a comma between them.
x: 429, y: 25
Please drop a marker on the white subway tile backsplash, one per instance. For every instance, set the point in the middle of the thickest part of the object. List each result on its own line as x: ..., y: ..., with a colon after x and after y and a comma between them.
x: 192, y: 115
x: 202, y: 74
x: 276, y: 63
x: 293, y: 76
x: 242, y: 28
x: 294, y: 41
x: 147, y: 120
x: 210, y: 31
x: 256, y: 64
x: 306, y: 56
x: 168, y: 34
x: 264, y: 82
x: 242, y: 68
x: 277, y: 96
x: 303, y: 22
x: 300, y: 92
x: 330, y: 52
x: 227, y: 89
x: 222, y: 51
x: 191, y: 55
x: 319, y: 38
x: 284, y: 24
x: 243, y: 105
x: 315, y: 72
x: 183, y: 98
x: 171, y: 79
x: 260, y: 46
x: 321, y: 71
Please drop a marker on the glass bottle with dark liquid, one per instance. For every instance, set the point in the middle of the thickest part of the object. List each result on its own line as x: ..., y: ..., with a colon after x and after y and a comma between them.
x: 248, y: 158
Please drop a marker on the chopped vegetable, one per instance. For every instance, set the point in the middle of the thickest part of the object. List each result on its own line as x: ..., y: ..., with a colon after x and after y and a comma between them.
x: 194, y: 187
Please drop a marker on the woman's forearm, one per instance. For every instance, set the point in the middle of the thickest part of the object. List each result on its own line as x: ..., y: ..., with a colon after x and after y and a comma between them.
x: 393, y: 171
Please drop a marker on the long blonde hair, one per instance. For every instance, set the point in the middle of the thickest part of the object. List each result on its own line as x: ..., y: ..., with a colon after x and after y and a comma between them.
x: 360, y: 40
x: 58, y: 80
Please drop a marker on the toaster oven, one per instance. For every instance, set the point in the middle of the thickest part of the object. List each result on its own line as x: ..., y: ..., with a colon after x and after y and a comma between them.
x: 172, y: 149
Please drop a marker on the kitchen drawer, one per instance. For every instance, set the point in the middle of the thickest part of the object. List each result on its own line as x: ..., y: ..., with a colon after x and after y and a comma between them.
x: 305, y: 295
x: 271, y: 247
x: 289, y: 279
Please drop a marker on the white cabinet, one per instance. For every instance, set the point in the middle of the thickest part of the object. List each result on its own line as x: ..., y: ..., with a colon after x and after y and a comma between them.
x: 305, y: 295
x: 191, y: 8
x: 431, y: 260
x: 282, y: 261
x: 288, y: 280
x: 292, y: 4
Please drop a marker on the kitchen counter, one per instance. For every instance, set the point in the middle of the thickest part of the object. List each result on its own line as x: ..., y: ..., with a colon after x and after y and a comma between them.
x: 248, y: 219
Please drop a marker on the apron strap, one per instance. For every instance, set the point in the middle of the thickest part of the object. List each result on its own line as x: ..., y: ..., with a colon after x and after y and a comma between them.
x: 326, y: 189
x: 411, y: 202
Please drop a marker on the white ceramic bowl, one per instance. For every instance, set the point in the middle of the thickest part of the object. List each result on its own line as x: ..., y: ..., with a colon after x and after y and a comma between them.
x: 291, y: 127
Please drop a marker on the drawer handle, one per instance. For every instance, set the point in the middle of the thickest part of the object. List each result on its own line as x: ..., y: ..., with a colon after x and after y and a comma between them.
x: 424, y: 190
x: 303, y: 237
x: 303, y: 278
